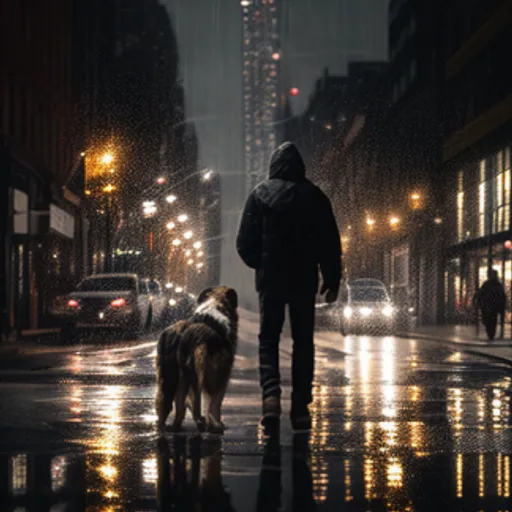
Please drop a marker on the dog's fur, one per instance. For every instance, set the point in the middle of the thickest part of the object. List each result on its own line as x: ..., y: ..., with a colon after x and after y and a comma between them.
x: 195, y: 358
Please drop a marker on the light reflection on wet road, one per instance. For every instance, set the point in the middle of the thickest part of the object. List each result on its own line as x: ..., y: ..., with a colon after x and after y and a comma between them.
x: 397, y: 425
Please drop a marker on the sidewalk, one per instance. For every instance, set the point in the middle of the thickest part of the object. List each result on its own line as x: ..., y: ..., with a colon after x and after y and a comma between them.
x: 467, y: 338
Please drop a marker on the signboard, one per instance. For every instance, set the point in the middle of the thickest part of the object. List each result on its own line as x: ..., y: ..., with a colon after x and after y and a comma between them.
x: 20, y: 206
x: 62, y: 222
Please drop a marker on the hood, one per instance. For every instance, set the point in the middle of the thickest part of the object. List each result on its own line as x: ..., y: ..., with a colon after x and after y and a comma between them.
x: 287, y: 164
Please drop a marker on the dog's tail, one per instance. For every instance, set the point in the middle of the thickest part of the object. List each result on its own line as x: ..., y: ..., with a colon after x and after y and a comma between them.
x: 167, y: 369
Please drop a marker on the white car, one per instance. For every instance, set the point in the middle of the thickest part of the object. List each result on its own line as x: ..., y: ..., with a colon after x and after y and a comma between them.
x: 109, y: 301
x: 367, y: 309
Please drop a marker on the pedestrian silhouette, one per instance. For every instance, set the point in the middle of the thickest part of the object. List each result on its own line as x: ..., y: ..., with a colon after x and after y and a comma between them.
x: 287, y: 232
x: 491, y: 301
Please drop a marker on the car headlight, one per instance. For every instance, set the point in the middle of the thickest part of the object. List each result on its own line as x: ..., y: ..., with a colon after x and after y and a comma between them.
x: 172, y: 302
x: 365, y: 311
x: 388, y: 311
x: 347, y: 312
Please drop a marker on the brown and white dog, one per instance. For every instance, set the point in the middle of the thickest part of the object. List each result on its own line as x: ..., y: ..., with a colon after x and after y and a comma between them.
x: 195, y: 358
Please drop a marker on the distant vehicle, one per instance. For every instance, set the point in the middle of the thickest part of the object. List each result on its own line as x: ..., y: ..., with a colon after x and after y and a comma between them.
x: 363, y: 306
x: 367, y: 282
x: 367, y: 309
x: 108, y: 301
x: 158, y: 301
x: 180, y: 305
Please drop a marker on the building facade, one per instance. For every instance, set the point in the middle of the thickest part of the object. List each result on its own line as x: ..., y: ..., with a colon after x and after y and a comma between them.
x: 261, y: 70
x: 476, y: 151
x: 40, y: 160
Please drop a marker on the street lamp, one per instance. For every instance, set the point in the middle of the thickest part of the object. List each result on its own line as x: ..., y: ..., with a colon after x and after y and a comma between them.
x: 190, y: 261
x: 182, y: 218
x: 197, y: 245
x: 161, y: 180
x: 171, y: 225
x: 200, y: 254
x: 187, y: 235
x: 200, y: 264
x: 188, y: 253
x: 370, y: 222
x: 171, y: 198
x: 176, y: 242
x: 207, y: 175
x: 394, y: 221
x: 107, y: 158
x: 109, y: 189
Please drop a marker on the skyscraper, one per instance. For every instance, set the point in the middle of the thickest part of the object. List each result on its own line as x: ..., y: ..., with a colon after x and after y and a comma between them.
x: 261, y: 69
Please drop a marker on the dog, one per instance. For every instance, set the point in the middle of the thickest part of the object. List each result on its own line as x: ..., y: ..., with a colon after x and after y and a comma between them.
x: 195, y: 358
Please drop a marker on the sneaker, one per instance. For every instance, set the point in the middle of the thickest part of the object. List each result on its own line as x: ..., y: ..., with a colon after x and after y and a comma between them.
x: 271, y: 411
x: 300, y: 419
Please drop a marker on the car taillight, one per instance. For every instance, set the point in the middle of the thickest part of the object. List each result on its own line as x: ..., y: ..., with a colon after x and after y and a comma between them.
x: 118, y: 303
x: 72, y: 303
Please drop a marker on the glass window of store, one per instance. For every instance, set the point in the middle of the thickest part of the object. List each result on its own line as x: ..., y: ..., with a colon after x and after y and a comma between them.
x: 501, y: 203
x: 460, y: 207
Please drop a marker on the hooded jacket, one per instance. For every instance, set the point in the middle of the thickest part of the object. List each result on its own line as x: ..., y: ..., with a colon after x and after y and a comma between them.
x: 288, y: 230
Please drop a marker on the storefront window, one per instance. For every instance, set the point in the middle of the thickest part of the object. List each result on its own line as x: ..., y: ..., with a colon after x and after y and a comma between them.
x: 482, y: 200
x: 501, y: 211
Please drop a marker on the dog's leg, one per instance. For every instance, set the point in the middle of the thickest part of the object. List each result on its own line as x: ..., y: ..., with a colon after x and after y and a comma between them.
x: 181, y: 406
x: 196, y: 409
x: 163, y: 407
x: 215, y: 425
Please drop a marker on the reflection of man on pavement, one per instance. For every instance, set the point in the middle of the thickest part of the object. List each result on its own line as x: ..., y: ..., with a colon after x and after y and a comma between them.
x: 287, y: 232
x: 491, y: 301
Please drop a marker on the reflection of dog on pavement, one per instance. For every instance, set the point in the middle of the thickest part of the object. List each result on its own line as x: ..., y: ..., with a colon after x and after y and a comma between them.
x: 195, y: 357
x: 190, y: 478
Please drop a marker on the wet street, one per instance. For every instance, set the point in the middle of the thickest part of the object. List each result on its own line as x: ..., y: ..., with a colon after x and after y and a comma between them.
x: 397, y: 425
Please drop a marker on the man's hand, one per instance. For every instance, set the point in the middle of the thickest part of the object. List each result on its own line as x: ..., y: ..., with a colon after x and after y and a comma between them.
x: 331, y: 296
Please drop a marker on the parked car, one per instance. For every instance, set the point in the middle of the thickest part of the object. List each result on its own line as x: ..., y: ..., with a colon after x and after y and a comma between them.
x: 108, y: 301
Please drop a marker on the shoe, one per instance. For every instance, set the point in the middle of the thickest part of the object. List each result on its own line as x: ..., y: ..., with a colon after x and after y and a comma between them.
x: 300, y: 419
x: 271, y: 411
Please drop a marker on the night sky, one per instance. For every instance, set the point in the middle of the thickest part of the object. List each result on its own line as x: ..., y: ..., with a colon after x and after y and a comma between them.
x: 315, y: 34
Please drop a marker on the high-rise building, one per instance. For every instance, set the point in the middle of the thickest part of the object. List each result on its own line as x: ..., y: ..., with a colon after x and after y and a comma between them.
x: 261, y: 59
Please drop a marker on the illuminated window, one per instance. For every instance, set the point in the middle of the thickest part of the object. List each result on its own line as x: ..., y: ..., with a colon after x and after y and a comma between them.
x: 19, y: 474
x: 482, y: 192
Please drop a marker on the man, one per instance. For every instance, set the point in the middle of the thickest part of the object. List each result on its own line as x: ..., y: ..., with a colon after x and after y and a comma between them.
x: 491, y: 300
x: 287, y: 231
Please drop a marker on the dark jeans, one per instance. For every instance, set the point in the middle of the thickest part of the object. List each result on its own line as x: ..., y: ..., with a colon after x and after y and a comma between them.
x: 302, y: 319
x: 490, y: 321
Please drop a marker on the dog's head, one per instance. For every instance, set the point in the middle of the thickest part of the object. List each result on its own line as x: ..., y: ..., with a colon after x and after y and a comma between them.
x: 224, y: 295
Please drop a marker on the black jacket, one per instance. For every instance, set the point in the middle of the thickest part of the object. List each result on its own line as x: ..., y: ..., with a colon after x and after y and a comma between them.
x: 288, y: 230
x: 491, y: 296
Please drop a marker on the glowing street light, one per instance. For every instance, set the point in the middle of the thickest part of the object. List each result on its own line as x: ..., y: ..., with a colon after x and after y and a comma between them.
x: 169, y: 285
x: 176, y: 242
x: 109, y: 189
x: 197, y: 245
x: 107, y: 158
x: 187, y: 235
x: 207, y: 175
x: 394, y: 221
x: 182, y: 218
x: 171, y: 225
x: 161, y: 180
x: 200, y: 254
x: 200, y: 264
x: 171, y: 198
x: 190, y: 261
x: 415, y: 196
x: 370, y: 222
x: 188, y: 253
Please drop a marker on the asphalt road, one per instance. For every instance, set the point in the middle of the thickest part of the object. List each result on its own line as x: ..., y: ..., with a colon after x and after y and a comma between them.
x: 398, y: 425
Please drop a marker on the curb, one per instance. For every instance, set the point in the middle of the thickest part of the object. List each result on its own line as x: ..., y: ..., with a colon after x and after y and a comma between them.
x: 460, y: 346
